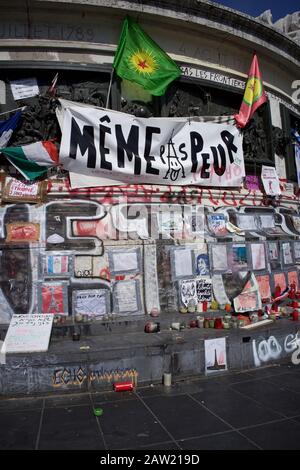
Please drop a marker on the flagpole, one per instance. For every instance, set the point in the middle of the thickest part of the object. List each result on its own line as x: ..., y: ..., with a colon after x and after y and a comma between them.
x: 109, y: 87
x: 12, y: 110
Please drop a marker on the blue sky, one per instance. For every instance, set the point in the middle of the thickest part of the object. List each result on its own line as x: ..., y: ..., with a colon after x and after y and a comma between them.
x: 255, y: 8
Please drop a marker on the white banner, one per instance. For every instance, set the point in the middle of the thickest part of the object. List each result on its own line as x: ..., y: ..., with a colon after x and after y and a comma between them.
x: 163, y: 151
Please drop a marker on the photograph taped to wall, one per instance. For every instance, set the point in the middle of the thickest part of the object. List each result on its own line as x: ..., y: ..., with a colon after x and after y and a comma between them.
x: 122, y: 261
x: 237, y: 257
x: 217, y: 224
x: 218, y: 257
x: 91, y: 302
x: 257, y: 255
x: 286, y: 253
x: 53, y: 297
x: 296, y: 250
x: 273, y: 254
x: 187, y: 291
x: 246, y: 222
x: 293, y: 278
x: 56, y: 265
x: 182, y: 263
x: 127, y: 297
x: 264, y: 286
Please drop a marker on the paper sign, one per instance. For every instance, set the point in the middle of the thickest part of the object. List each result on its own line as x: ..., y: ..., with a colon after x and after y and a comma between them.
x: 215, y: 355
x: 204, y: 290
x: 92, y: 302
x: 25, y: 88
x: 264, y: 287
x: 270, y: 180
x: 188, y: 292
x: 28, y: 333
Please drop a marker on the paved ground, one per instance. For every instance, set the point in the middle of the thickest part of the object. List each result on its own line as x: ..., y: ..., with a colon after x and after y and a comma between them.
x: 258, y: 409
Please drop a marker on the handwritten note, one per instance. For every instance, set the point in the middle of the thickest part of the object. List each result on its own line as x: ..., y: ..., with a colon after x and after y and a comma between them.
x: 28, y: 333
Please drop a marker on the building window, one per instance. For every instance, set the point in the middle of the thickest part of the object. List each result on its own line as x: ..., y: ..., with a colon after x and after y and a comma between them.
x: 290, y: 120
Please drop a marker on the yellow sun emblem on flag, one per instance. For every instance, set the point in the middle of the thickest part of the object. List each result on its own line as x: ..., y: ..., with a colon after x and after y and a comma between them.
x: 143, y: 62
x: 253, y: 90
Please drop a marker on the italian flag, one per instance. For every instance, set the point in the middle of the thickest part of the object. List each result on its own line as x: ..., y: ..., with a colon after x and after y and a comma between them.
x: 32, y: 160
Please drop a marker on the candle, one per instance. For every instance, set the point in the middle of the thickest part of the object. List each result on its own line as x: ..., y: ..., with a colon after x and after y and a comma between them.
x: 123, y: 386
x: 167, y: 379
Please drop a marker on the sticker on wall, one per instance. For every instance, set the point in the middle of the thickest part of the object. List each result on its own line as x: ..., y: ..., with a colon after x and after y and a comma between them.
x: 127, y: 297
x: 22, y: 232
x: 92, y: 302
x: 215, y: 355
x: 217, y: 224
x: 53, y: 297
x: 56, y: 265
x: 20, y: 191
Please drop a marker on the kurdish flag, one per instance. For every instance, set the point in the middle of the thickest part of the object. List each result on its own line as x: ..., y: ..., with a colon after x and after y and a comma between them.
x: 32, y: 160
x: 254, y: 95
x: 139, y: 59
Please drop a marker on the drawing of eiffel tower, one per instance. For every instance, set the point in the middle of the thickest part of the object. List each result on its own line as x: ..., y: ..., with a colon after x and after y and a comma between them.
x: 53, y: 304
x: 216, y: 365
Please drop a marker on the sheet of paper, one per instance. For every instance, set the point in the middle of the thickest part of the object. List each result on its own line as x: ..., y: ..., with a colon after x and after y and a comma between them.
x: 183, y: 263
x: 25, y: 88
x: 28, y: 333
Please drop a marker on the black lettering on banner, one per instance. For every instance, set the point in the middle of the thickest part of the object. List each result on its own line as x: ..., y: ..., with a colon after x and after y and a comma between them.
x: 85, y: 141
x: 228, y: 139
x: 130, y: 147
x: 219, y: 169
x: 205, y: 165
x: 104, y: 150
x: 149, y: 158
x: 183, y: 152
x: 196, y: 147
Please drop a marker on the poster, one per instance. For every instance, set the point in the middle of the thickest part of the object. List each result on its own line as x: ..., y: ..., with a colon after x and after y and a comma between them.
x: 293, y: 277
x: 215, y: 355
x: 28, y: 333
x: 252, y: 183
x: 56, y: 265
x: 249, y: 300
x: 266, y: 221
x: 202, y: 261
x: 126, y: 296
x: 25, y: 88
x: 15, y: 190
x: 296, y: 247
x: 182, y: 262
x: 188, y: 292
x: 217, y: 224
x: 237, y: 257
x: 246, y: 222
x: 279, y: 280
x: 91, y: 266
x: 219, y: 290
x: 296, y: 222
x: 270, y: 180
x: 258, y: 256
x: 218, y: 257
x: 91, y: 302
x: 287, y: 255
x: 124, y: 261
x: 264, y: 287
x: 162, y: 151
x: 53, y: 298
x: 204, y: 290
x: 22, y: 232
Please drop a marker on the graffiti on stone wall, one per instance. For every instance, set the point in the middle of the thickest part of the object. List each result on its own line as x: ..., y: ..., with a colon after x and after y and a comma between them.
x: 77, y: 376
x: 270, y: 349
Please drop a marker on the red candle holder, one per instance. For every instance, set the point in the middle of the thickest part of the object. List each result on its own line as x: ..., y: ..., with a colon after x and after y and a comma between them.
x: 295, y: 315
x: 123, y: 386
